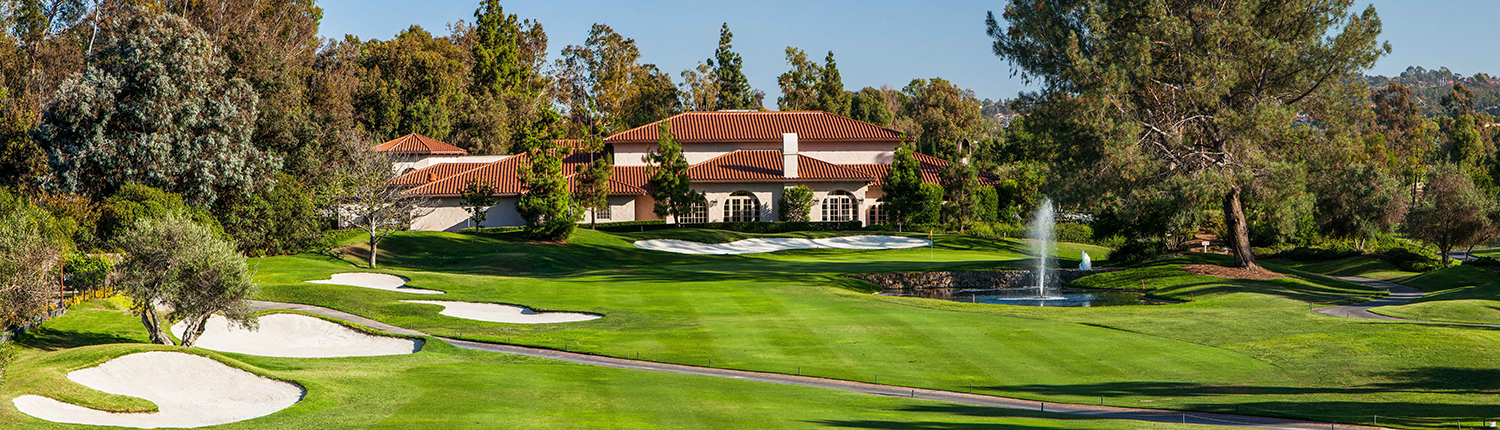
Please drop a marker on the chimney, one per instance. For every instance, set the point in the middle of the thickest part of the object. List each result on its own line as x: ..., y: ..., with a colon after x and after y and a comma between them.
x: 789, y: 155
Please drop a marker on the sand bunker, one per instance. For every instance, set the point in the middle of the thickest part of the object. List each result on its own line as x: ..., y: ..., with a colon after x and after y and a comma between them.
x: 379, y: 281
x: 504, y: 313
x: 292, y: 335
x: 188, y: 390
x: 758, y: 245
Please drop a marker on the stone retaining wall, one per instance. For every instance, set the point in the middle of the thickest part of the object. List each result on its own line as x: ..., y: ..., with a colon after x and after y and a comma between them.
x: 936, y: 281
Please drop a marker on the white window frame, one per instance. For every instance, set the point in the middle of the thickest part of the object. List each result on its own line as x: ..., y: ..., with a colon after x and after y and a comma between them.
x: 742, y: 206
x: 839, y: 205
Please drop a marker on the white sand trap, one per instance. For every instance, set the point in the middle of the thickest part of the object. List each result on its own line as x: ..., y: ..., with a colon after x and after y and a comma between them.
x: 188, y: 390
x: 292, y: 335
x: 379, y: 281
x: 758, y: 245
x: 504, y: 313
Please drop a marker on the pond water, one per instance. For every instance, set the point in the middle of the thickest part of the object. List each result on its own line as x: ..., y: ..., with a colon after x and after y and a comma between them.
x: 1055, y: 298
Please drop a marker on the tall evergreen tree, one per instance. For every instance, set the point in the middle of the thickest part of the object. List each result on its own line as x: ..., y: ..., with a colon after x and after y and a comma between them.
x: 831, y: 95
x: 669, y: 183
x: 734, y: 89
x: 500, y: 65
x: 1153, y: 93
x: 593, y: 183
x: 547, y: 205
x: 903, y: 200
x: 868, y: 105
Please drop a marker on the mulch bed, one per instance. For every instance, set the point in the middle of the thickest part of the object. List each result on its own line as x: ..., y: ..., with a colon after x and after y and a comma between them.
x: 1230, y: 272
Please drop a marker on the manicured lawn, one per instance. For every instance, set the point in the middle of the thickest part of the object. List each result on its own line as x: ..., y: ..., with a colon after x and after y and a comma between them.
x: 1364, y: 267
x: 1451, y: 277
x: 445, y: 387
x: 1251, y: 345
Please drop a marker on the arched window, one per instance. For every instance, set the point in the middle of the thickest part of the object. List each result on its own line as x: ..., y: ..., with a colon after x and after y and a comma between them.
x: 742, y: 206
x: 877, y: 214
x: 839, y: 206
x: 697, y: 214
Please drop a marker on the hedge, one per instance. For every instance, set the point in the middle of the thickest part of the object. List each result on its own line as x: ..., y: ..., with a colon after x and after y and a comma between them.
x: 743, y: 227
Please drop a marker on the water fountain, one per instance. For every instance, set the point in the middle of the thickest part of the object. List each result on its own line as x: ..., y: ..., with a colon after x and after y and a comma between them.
x: 1042, y: 244
x: 1087, y: 263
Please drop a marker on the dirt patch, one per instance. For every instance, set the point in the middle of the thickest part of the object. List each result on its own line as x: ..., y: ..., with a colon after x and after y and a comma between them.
x: 1230, y: 272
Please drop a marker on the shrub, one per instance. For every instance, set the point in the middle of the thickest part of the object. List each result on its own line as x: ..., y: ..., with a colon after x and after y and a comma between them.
x: 1418, y: 260
x: 980, y: 229
x: 987, y: 204
x: 134, y: 202
x: 277, y: 220
x: 87, y: 272
x: 1303, y: 253
x: 1073, y: 232
x: 1483, y: 262
x: 795, y: 204
x: 1137, y: 251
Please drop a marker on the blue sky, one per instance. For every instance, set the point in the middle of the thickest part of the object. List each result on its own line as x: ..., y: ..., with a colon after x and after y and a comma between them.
x: 876, y: 42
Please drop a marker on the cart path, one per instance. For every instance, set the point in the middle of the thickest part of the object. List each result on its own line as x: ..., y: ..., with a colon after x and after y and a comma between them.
x: 1399, y: 295
x: 1094, y: 411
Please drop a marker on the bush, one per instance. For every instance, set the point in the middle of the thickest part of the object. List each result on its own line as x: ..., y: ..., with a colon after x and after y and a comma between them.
x: 1483, y: 262
x: 135, y: 202
x: 1303, y: 253
x: 987, y: 203
x: 277, y: 220
x: 980, y: 229
x: 1137, y: 251
x: 1076, y: 233
x: 86, y: 272
x: 1418, y: 260
x: 627, y: 226
x: 795, y: 204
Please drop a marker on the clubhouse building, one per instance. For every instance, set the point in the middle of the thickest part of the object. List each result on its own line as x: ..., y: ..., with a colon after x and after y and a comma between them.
x: 741, y: 161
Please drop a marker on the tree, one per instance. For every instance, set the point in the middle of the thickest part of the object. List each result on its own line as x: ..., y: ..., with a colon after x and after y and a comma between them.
x: 505, y: 53
x: 944, y: 115
x: 177, y: 264
x: 546, y: 205
x: 795, y: 204
x: 1153, y: 92
x: 930, y: 204
x: 1407, y: 131
x: 831, y: 95
x: 1358, y: 202
x: 279, y: 219
x: 364, y: 199
x: 478, y: 197
x: 134, y: 202
x: 869, y: 106
x: 700, y: 89
x: 960, y: 182
x: 799, y: 86
x: 652, y: 98
x: 605, y: 87
x: 1452, y: 212
x: 987, y: 203
x: 30, y: 253
x: 593, y: 184
x: 152, y: 108
x: 903, y: 187
x: 734, y: 90
x: 669, y: 184
x: 21, y: 160
x: 414, y: 84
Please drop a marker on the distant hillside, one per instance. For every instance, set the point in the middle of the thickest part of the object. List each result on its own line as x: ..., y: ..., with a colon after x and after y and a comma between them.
x: 1429, y: 87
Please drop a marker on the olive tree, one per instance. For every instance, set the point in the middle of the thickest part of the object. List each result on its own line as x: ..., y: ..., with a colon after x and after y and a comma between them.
x: 182, y: 268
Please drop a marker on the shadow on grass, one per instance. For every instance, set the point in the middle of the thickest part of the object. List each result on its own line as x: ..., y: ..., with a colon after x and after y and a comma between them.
x: 1405, y: 413
x: 48, y: 339
x: 1448, y: 380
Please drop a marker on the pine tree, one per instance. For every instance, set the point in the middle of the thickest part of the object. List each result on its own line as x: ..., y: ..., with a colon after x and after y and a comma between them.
x: 734, y: 88
x: 593, y: 185
x: 546, y: 205
x: 498, y: 64
x: 831, y: 95
x: 903, y: 188
x: 669, y: 182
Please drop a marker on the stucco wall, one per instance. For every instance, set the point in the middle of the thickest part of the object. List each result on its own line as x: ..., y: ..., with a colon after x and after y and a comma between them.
x: 448, y: 214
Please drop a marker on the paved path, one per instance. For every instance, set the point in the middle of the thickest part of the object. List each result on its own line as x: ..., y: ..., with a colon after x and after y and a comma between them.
x: 1109, y: 412
x: 1400, y: 295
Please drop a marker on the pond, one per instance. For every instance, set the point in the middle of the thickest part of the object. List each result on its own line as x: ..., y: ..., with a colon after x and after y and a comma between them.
x: 1028, y: 297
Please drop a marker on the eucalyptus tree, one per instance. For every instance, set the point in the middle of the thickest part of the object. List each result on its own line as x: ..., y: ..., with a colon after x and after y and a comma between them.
x: 155, y: 107
x: 1193, y: 92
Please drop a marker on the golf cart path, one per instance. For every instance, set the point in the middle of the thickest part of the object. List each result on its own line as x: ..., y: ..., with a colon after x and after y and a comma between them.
x: 1094, y: 411
x: 1399, y: 295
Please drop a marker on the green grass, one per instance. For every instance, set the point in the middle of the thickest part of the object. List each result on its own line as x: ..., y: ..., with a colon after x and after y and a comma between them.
x: 445, y: 387
x: 1364, y: 267
x: 1234, y: 343
x: 1451, y: 277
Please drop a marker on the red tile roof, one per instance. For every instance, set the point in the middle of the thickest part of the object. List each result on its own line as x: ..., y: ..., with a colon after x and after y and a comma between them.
x: 810, y: 126
x: 433, y: 173
x: 418, y: 144
x: 765, y: 165
x: 500, y: 174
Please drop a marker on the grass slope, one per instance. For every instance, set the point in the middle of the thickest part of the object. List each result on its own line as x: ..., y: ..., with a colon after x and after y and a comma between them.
x: 1241, y: 344
x: 444, y: 387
